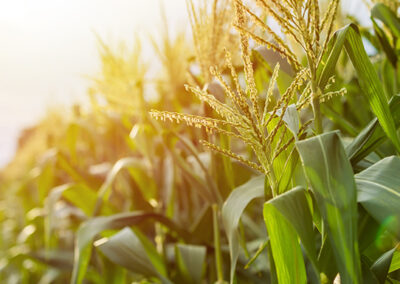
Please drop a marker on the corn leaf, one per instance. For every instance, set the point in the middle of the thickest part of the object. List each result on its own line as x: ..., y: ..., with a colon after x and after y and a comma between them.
x: 372, y: 135
x: 386, y: 15
x: 395, y: 264
x: 88, y: 230
x: 350, y: 38
x: 379, y: 192
x: 190, y: 259
x: 126, y: 249
x: 384, y: 42
x: 233, y: 209
x: 289, y: 263
x: 381, y: 266
x: 79, y: 195
x: 291, y: 206
x: 331, y: 178
x: 105, y: 188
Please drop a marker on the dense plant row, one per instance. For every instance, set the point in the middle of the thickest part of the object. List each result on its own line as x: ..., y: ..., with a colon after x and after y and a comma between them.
x: 287, y: 173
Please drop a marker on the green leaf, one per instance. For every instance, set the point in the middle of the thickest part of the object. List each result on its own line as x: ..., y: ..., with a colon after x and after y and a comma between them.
x: 326, y: 68
x: 370, y: 83
x: 388, y: 75
x: 79, y: 195
x: 285, y: 163
x: 368, y: 275
x: 233, y: 209
x: 291, y: 119
x: 200, y: 229
x: 105, y: 188
x: 327, y: 267
x: 364, y: 143
x: 126, y: 249
x: 190, y: 259
x: 293, y: 206
x: 388, y: 17
x: 384, y: 42
x: 338, y: 119
x: 205, y: 188
x: 395, y: 264
x: 368, y: 229
x: 372, y: 135
x: 60, y: 259
x: 285, y: 247
x: 331, y: 178
x: 272, y: 268
x: 371, y: 86
x: 381, y: 266
x: 88, y: 230
x: 379, y: 192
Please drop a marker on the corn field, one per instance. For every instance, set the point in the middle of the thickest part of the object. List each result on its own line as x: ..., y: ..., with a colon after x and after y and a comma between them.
x: 271, y: 154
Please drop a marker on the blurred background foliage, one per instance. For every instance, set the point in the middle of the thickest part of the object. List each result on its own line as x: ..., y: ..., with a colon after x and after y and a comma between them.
x: 110, y: 166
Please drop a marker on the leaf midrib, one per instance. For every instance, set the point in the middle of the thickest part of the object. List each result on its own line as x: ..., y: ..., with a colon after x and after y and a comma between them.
x: 379, y: 185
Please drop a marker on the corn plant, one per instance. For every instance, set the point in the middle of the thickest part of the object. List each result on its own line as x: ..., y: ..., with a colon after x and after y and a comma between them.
x: 287, y: 173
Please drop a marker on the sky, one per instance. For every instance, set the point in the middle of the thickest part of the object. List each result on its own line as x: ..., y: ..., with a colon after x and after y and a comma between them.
x: 49, y: 46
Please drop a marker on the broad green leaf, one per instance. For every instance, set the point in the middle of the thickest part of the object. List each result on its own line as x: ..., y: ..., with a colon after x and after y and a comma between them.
x: 387, y: 16
x: 88, y: 230
x: 272, y: 268
x: 381, y: 266
x: 372, y: 135
x: 151, y: 251
x: 190, y: 259
x: 293, y: 206
x: 326, y: 68
x: 370, y: 83
x: 379, y: 192
x: 364, y: 143
x: 328, y: 268
x: 395, y: 264
x: 126, y: 249
x: 331, y: 178
x: 289, y: 263
x: 232, y: 210
x: 285, y: 163
x: 350, y: 38
x: 368, y: 276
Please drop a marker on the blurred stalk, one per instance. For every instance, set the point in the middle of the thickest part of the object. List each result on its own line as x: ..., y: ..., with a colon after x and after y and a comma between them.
x: 217, y: 245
